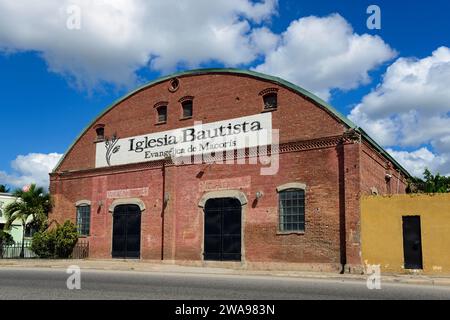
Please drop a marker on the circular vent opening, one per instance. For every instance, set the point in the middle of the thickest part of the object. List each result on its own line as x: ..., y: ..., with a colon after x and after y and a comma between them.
x: 174, y: 85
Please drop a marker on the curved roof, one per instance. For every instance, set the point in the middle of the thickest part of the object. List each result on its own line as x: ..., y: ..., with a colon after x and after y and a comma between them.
x: 253, y: 74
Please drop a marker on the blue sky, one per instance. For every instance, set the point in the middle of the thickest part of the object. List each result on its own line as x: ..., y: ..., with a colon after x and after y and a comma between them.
x: 53, y: 85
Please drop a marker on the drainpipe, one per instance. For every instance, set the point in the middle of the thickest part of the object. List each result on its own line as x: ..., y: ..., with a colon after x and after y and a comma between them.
x: 165, y: 200
x: 163, y: 206
x: 342, y: 207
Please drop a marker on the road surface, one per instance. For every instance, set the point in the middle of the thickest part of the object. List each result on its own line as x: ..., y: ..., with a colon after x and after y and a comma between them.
x: 26, y: 283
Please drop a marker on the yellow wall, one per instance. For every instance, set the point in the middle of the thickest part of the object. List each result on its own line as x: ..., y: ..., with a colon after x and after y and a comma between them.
x: 382, y: 234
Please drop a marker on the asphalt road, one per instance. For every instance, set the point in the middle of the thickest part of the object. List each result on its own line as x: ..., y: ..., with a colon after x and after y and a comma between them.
x: 17, y: 283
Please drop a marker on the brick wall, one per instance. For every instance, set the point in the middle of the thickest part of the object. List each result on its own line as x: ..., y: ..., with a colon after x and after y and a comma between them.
x: 216, y: 97
x: 335, y: 176
x: 373, y: 174
x: 184, y: 219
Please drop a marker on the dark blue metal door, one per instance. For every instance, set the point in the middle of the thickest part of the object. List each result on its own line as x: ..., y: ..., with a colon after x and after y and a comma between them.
x: 126, y: 232
x: 223, y: 229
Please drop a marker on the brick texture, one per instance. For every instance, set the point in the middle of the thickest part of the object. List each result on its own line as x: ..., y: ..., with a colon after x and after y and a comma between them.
x: 336, y: 176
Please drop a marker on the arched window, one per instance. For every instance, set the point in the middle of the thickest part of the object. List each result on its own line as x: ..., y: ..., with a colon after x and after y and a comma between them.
x: 270, y: 98
x: 270, y: 101
x: 187, y: 108
x: 162, y: 114
x: 83, y: 218
x: 100, y: 131
x: 292, y: 208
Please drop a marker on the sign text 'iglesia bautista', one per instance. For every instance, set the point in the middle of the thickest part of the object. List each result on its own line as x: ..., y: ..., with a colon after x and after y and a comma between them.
x: 246, y: 132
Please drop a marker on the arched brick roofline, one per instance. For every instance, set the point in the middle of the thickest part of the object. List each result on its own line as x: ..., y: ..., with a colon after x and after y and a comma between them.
x: 260, y: 76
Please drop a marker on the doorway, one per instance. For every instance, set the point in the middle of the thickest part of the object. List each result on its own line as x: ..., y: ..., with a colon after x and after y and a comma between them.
x: 126, y: 240
x: 223, y: 235
x: 412, y: 242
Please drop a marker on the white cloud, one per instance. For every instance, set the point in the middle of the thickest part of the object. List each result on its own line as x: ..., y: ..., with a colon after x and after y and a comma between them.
x: 118, y: 37
x: 411, y: 108
x: 417, y: 161
x: 322, y: 54
x: 264, y: 39
x: 30, y: 168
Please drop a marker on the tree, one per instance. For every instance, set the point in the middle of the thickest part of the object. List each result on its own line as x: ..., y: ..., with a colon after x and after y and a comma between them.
x: 430, y: 184
x: 4, y: 188
x: 30, y: 208
x: 436, y: 183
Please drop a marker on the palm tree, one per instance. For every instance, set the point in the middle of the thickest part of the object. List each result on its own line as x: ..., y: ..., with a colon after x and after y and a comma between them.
x: 4, y: 188
x: 31, y: 207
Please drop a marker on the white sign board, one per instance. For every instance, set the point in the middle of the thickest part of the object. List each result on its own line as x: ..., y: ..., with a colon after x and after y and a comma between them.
x: 200, y: 139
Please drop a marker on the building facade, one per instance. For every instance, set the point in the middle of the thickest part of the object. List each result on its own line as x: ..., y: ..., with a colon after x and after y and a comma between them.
x: 146, y: 178
x: 16, y: 229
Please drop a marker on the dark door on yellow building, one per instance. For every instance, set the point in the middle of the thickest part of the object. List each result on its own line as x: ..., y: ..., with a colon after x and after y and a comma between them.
x: 126, y: 241
x: 223, y: 229
x: 412, y: 242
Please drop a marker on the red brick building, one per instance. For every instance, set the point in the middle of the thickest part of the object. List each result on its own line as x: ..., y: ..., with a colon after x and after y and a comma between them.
x: 130, y: 200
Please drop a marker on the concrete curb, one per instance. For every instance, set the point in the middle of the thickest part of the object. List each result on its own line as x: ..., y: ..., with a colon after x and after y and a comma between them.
x: 139, y: 266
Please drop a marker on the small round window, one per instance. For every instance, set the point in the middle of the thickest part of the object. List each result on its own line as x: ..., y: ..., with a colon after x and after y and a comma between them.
x: 174, y: 85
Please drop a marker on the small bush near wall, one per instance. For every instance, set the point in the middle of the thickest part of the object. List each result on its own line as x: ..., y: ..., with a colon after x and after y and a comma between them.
x: 5, y: 238
x: 66, y: 239
x: 43, y: 244
x: 55, y: 243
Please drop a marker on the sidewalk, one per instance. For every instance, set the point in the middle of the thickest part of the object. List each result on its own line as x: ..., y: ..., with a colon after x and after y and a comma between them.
x: 146, y: 266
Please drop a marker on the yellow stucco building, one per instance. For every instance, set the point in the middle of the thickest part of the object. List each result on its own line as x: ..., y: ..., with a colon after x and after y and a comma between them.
x: 407, y: 233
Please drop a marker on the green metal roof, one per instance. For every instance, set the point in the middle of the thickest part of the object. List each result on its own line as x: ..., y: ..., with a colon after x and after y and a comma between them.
x: 253, y: 74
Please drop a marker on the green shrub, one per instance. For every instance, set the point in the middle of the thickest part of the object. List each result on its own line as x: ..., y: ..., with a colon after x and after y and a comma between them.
x: 43, y: 244
x: 66, y: 239
x: 5, y: 238
x: 55, y: 243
